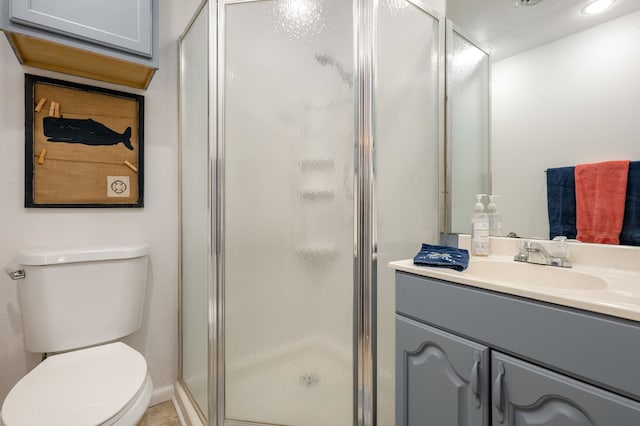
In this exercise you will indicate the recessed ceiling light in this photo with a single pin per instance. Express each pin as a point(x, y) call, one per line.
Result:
point(597, 6)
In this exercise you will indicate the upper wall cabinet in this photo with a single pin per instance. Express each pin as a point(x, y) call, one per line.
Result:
point(114, 41)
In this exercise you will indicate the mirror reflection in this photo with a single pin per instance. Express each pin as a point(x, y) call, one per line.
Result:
point(564, 92)
point(467, 131)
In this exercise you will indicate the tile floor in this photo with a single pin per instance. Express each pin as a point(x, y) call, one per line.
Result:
point(160, 415)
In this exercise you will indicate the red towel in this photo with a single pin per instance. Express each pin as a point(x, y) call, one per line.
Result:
point(600, 195)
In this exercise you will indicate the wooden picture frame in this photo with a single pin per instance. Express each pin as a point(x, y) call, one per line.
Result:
point(84, 145)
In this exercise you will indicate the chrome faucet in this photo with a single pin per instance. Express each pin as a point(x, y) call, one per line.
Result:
point(534, 252)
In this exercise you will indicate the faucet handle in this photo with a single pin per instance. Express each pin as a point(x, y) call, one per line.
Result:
point(523, 252)
point(560, 251)
point(559, 247)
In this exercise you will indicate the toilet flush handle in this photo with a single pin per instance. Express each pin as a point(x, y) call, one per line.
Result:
point(15, 274)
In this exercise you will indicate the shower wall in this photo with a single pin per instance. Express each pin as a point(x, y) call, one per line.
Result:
point(289, 212)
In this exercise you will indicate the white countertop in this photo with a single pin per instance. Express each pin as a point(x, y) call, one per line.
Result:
point(611, 287)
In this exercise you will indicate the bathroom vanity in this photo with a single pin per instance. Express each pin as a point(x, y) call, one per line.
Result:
point(474, 349)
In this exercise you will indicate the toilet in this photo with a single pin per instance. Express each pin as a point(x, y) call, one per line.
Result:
point(75, 305)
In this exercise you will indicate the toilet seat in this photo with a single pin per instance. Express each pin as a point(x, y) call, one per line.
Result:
point(93, 386)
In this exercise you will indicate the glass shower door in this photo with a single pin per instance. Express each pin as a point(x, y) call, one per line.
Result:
point(195, 213)
point(408, 143)
point(288, 207)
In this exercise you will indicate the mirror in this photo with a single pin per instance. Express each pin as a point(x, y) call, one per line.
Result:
point(467, 125)
point(564, 91)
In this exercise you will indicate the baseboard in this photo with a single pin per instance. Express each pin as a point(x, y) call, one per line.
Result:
point(160, 395)
point(186, 411)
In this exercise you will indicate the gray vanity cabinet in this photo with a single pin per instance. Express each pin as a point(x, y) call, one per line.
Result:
point(549, 365)
point(527, 395)
point(120, 24)
point(441, 379)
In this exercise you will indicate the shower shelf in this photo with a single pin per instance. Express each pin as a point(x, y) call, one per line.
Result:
point(318, 253)
point(318, 194)
point(317, 164)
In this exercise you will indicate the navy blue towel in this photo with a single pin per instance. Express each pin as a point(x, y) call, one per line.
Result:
point(442, 257)
point(630, 234)
point(561, 202)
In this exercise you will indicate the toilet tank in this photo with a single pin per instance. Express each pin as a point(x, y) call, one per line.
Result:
point(81, 297)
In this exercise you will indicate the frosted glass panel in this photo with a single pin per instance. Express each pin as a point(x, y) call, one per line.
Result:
point(289, 172)
point(195, 212)
point(407, 134)
point(468, 100)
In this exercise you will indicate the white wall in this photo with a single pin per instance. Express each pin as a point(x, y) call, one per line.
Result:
point(572, 101)
point(155, 224)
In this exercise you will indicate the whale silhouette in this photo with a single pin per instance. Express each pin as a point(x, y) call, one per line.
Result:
point(84, 131)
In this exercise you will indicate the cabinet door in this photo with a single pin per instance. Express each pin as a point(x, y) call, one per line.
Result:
point(441, 379)
point(525, 394)
point(122, 24)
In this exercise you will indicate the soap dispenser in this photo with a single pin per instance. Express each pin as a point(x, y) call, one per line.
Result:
point(479, 229)
point(495, 219)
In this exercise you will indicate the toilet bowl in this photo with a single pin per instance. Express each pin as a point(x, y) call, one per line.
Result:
point(103, 385)
point(76, 304)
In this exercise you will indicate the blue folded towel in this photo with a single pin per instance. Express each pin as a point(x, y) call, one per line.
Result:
point(442, 257)
point(630, 234)
point(561, 202)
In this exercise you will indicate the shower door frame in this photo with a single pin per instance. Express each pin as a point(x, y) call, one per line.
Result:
point(203, 7)
point(364, 258)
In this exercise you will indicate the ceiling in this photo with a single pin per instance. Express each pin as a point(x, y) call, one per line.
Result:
point(504, 28)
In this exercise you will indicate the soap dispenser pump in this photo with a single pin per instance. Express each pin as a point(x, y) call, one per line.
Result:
point(479, 229)
point(495, 219)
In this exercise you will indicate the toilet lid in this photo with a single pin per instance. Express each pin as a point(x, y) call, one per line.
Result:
point(83, 387)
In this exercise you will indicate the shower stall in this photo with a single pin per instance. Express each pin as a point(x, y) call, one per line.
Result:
point(312, 154)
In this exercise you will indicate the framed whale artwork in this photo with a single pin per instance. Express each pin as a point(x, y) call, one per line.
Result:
point(83, 145)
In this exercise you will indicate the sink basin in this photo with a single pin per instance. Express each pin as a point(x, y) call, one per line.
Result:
point(531, 275)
